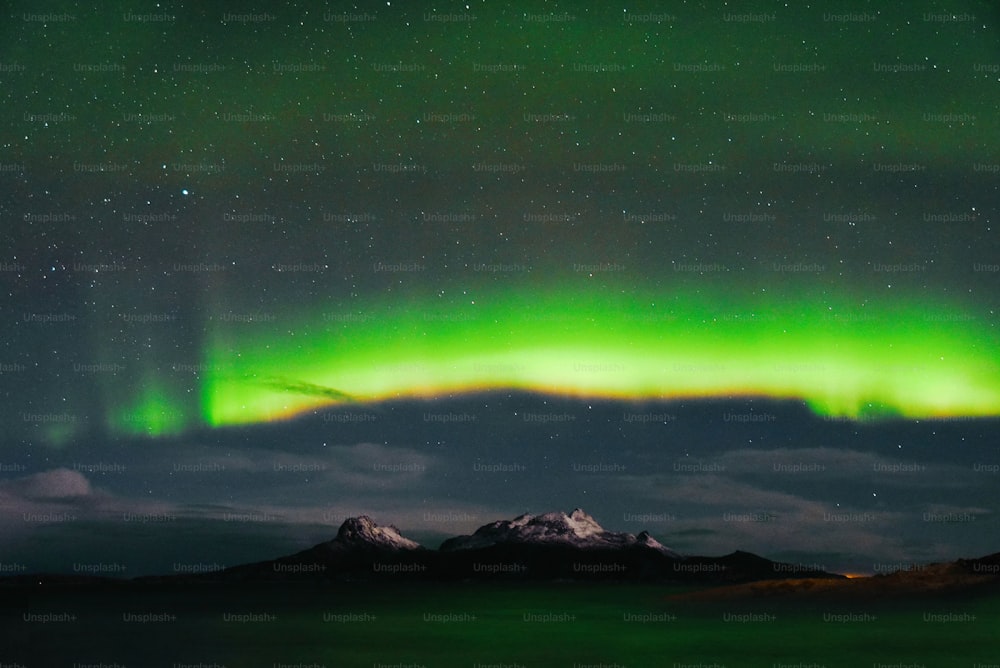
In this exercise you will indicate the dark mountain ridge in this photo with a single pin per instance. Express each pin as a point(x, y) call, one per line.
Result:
point(553, 546)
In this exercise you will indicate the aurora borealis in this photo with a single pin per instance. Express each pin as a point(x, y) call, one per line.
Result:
point(441, 265)
point(895, 360)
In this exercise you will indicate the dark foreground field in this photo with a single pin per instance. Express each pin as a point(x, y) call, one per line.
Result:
point(481, 624)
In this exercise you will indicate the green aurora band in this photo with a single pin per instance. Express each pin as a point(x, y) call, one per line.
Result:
point(881, 360)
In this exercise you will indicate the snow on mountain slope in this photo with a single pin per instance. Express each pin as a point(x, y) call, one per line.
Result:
point(578, 529)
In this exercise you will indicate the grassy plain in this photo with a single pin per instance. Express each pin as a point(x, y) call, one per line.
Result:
point(484, 625)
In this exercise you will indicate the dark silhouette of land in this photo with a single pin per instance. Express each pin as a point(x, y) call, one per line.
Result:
point(557, 547)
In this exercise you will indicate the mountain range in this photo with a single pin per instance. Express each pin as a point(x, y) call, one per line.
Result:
point(550, 546)
point(556, 546)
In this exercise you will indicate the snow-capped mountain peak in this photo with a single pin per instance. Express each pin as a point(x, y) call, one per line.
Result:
point(648, 541)
point(577, 529)
point(583, 525)
point(363, 532)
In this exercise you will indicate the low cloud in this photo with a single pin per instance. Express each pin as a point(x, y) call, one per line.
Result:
point(60, 484)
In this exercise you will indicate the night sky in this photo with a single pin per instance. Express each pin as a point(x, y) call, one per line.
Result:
point(724, 271)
